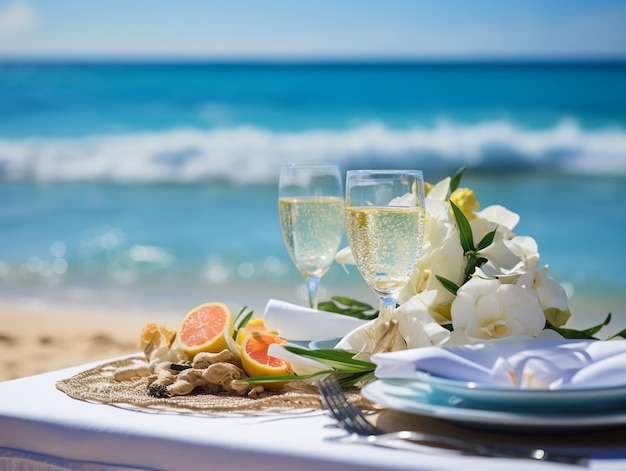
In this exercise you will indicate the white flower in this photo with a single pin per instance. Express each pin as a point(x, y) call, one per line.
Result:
point(487, 309)
point(344, 257)
point(509, 258)
point(549, 292)
point(440, 191)
point(408, 199)
point(441, 255)
point(498, 216)
point(408, 326)
point(507, 295)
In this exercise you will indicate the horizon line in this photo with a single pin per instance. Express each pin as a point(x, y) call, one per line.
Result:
point(309, 60)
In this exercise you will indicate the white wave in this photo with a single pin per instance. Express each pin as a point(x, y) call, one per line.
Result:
point(253, 155)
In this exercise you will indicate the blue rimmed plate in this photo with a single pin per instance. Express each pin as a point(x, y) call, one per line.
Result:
point(396, 394)
point(500, 397)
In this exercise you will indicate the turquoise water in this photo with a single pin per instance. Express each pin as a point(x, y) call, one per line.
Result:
point(157, 184)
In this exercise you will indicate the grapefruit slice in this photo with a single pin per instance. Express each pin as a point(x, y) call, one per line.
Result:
point(202, 329)
point(256, 362)
point(254, 325)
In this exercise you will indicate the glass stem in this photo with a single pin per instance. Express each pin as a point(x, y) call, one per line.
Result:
point(387, 302)
point(313, 283)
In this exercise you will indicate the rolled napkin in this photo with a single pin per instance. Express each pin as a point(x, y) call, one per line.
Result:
point(517, 362)
point(299, 323)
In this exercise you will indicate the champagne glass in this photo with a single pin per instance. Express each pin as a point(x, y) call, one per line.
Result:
point(311, 210)
point(385, 227)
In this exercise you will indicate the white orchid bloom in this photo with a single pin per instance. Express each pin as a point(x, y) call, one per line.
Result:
point(548, 291)
point(447, 261)
point(459, 337)
point(440, 191)
point(507, 259)
point(441, 255)
point(499, 215)
point(408, 326)
point(488, 309)
point(439, 210)
point(408, 199)
point(344, 257)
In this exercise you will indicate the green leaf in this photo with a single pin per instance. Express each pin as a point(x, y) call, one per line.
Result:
point(571, 334)
point(272, 379)
point(329, 306)
point(621, 333)
point(242, 321)
point(335, 356)
point(351, 302)
point(339, 362)
point(480, 261)
point(447, 284)
point(582, 334)
point(467, 239)
point(239, 314)
point(471, 265)
point(487, 240)
point(456, 179)
point(354, 379)
point(595, 329)
point(355, 308)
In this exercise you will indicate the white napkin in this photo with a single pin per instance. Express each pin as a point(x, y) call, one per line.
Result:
point(299, 323)
point(520, 362)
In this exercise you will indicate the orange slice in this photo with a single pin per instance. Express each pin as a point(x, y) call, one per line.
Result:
point(202, 329)
point(256, 362)
point(253, 325)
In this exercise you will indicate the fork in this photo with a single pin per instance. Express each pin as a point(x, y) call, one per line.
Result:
point(362, 430)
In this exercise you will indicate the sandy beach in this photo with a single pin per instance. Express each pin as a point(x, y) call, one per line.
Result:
point(34, 341)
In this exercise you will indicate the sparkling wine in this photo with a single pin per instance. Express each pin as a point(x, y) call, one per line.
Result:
point(312, 228)
point(385, 243)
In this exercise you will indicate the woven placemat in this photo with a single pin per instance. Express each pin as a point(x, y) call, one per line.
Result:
point(98, 385)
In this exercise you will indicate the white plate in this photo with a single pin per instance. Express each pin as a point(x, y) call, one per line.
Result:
point(493, 396)
point(396, 395)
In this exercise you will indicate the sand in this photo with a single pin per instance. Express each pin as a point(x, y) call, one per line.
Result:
point(34, 341)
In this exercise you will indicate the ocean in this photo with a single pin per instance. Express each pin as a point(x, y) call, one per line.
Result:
point(139, 186)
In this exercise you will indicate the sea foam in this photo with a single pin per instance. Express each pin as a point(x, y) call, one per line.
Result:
point(252, 155)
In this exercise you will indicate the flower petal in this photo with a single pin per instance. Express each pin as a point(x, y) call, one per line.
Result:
point(487, 309)
point(499, 215)
point(440, 190)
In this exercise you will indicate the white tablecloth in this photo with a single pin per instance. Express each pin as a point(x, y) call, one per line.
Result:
point(43, 429)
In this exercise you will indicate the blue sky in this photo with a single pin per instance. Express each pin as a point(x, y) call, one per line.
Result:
point(313, 29)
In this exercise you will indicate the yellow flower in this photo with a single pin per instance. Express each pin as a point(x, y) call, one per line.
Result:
point(466, 201)
point(427, 187)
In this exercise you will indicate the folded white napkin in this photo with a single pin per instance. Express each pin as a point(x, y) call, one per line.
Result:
point(295, 322)
point(520, 362)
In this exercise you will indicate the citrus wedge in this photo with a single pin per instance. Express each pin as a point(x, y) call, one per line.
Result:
point(202, 329)
point(256, 362)
point(254, 325)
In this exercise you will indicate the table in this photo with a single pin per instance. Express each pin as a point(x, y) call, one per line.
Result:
point(41, 428)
